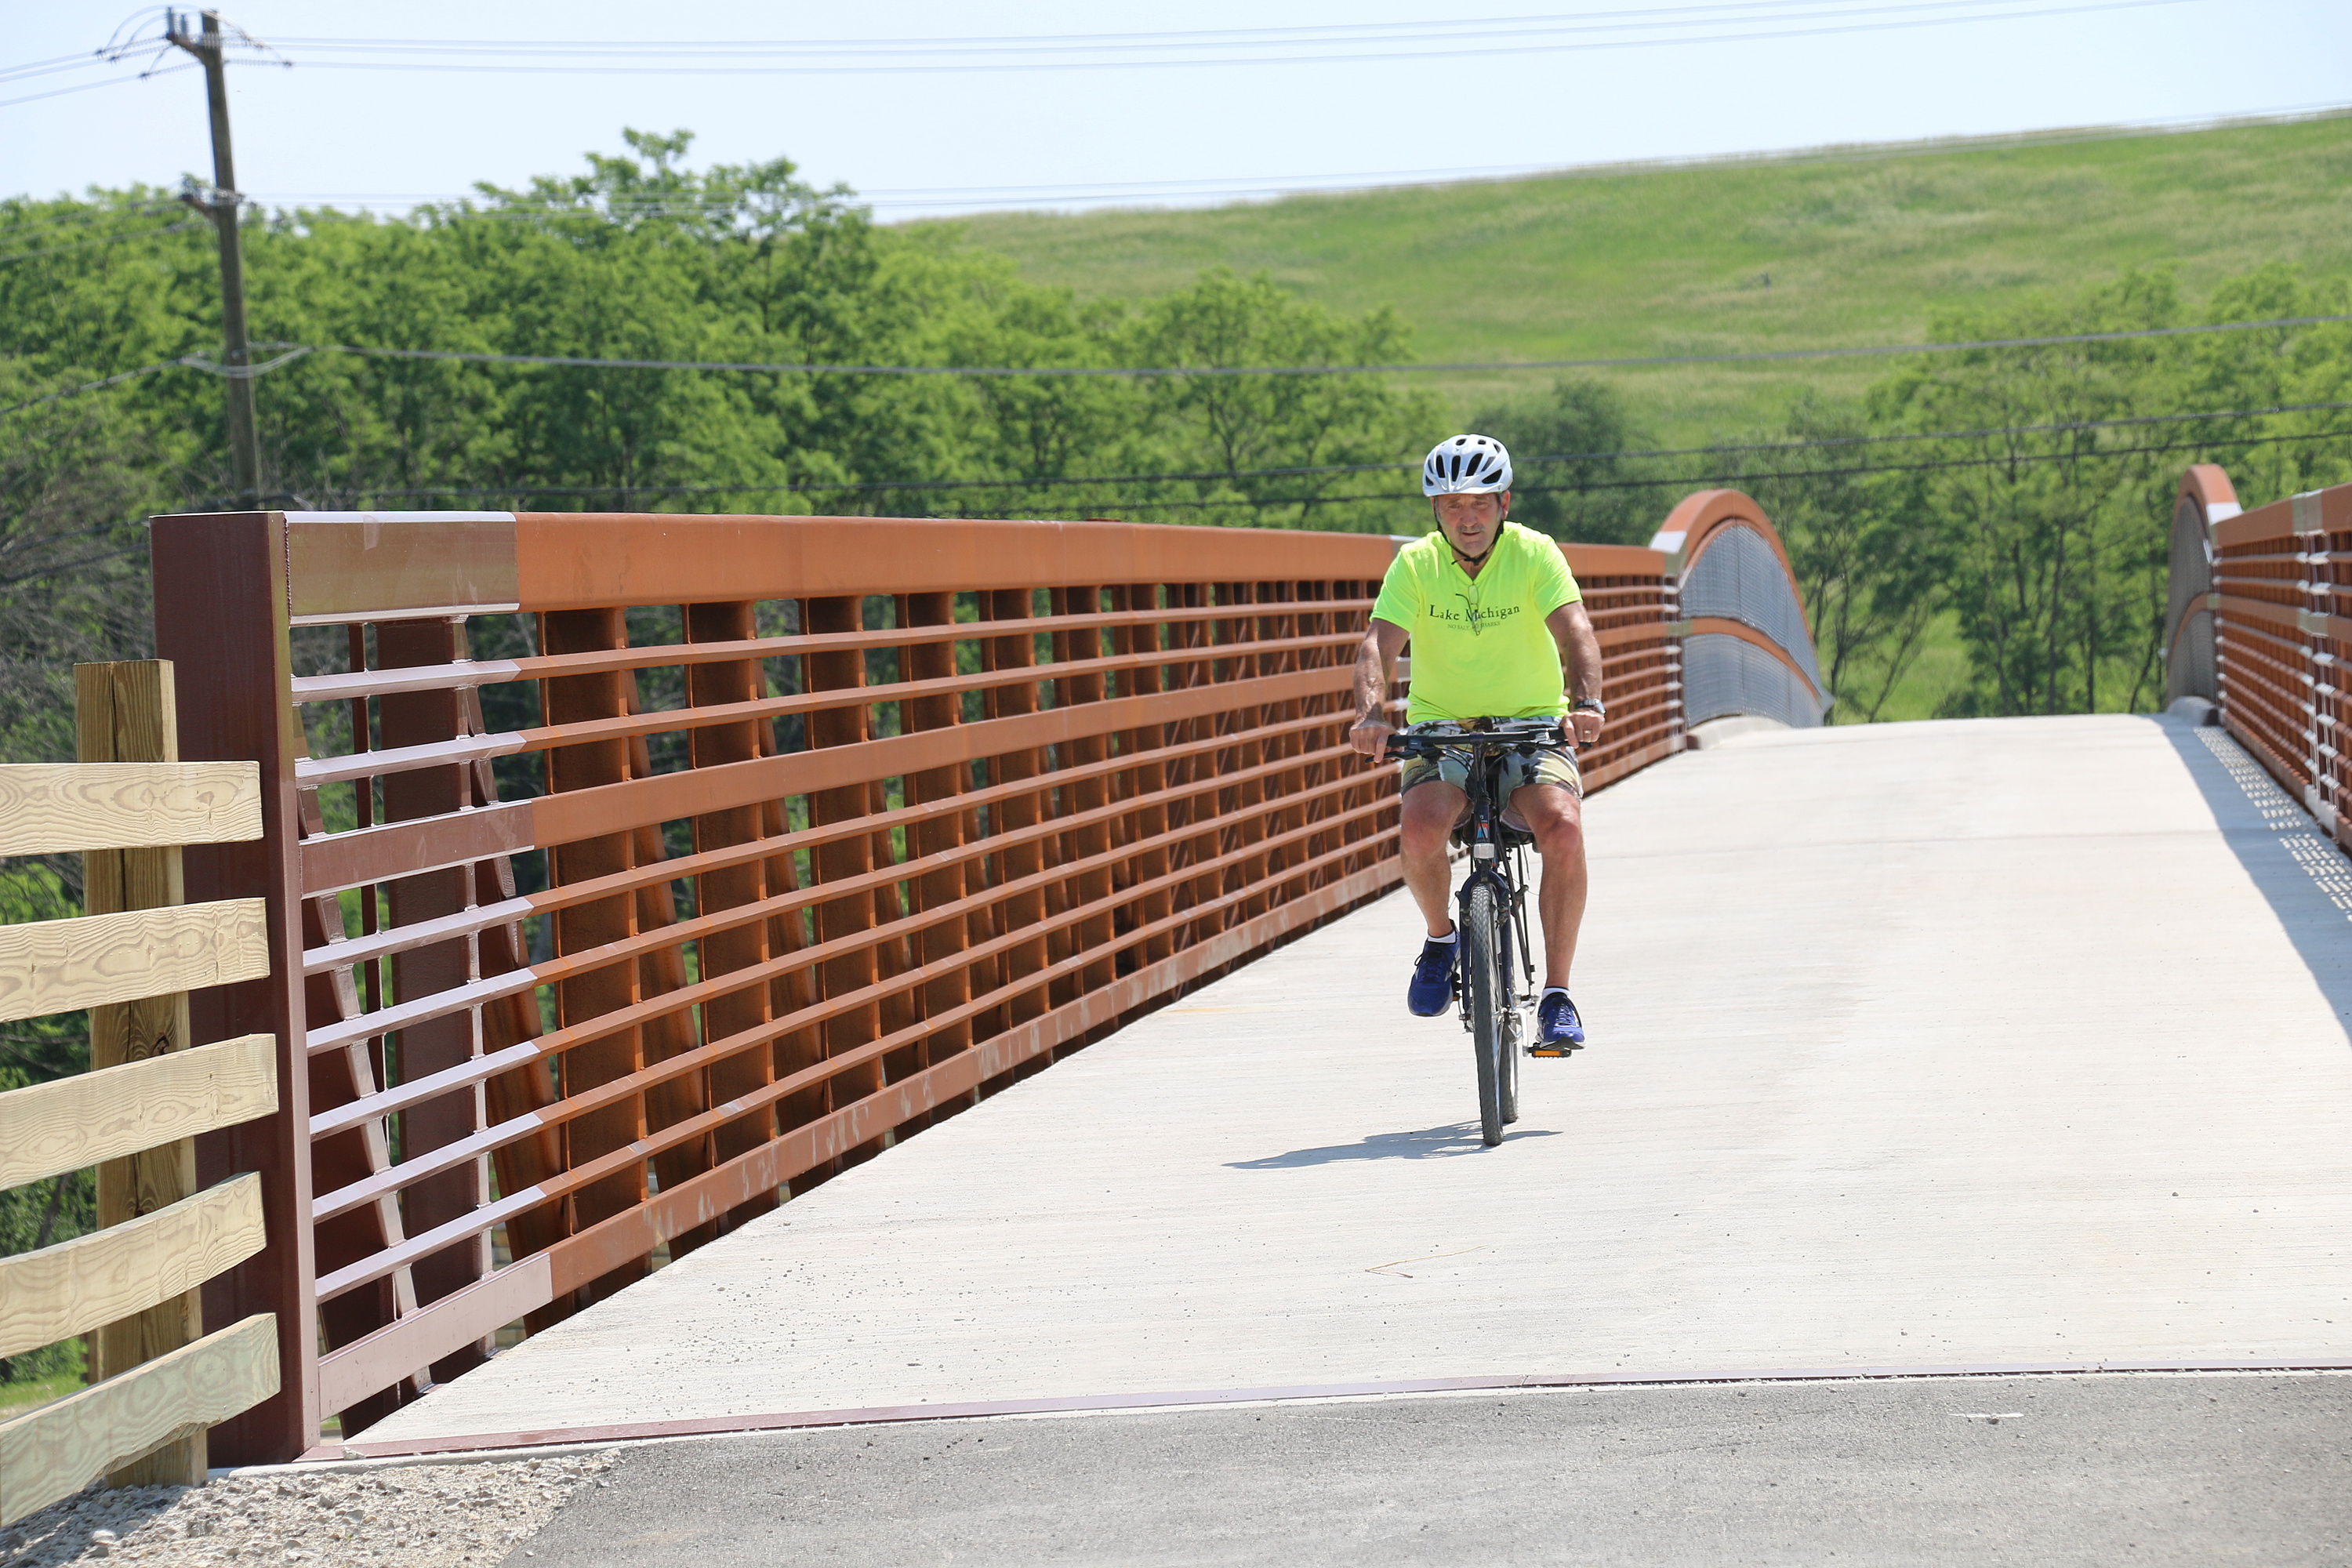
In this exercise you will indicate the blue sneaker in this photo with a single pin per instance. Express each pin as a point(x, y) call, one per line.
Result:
point(1431, 990)
point(1559, 1029)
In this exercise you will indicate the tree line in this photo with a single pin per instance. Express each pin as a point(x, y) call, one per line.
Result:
point(2016, 500)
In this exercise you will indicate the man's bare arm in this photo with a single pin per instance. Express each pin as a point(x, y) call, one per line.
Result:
point(1376, 659)
point(1579, 657)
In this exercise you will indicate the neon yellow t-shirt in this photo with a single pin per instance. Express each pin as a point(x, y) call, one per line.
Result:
point(1480, 648)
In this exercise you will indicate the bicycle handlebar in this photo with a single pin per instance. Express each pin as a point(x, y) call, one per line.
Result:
point(1536, 737)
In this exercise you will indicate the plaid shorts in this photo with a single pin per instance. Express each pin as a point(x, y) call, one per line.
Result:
point(1454, 768)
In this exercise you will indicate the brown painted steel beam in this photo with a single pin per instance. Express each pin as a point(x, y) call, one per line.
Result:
point(223, 626)
point(581, 561)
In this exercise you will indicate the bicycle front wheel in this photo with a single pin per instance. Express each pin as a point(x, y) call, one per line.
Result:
point(1483, 997)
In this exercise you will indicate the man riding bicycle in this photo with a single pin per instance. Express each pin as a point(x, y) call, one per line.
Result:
point(1495, 618)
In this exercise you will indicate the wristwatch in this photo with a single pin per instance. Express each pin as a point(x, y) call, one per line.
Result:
point(1589, 705)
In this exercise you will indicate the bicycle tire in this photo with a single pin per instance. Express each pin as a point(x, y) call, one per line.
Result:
point(1515, 1018)
point(1483, 998)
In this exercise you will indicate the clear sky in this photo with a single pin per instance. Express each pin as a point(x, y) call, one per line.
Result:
point(1465, 85)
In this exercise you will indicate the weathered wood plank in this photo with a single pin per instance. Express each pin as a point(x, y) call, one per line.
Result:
point(60, 1448)
point(110, 1275)
point(52, 1128)
point(52, 808)
point(56, 966)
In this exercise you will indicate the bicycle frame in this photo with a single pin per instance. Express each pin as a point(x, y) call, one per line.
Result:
point(1498, 850)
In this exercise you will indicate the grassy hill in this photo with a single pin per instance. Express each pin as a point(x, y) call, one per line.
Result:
point(1840, 246)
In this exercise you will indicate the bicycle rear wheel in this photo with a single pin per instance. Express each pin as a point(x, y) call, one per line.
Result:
point(1483, 997)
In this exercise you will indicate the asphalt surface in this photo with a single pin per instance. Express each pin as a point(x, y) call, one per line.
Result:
point(2194, 1470)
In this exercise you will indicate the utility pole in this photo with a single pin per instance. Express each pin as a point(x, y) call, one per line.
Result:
point(220, 204)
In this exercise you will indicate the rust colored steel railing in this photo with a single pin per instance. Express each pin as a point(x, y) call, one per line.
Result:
point(790, 836)
point(2262, 625)
point(1630, 598)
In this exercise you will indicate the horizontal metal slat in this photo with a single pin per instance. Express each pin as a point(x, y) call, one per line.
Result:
point(377, 1266)
point(424, 844)
point(584, 814)
point(344, 1117)
point(313, 770)
point(418, 1009)
point(341, 860)
point(351, 1373)
point(461, 674)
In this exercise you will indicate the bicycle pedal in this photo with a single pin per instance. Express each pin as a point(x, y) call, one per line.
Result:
point(1553, 1051)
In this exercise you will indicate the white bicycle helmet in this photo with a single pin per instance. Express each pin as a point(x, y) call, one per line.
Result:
point(1466, 465)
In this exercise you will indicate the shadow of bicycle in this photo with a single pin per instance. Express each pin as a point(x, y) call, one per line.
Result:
point(1427, 1143)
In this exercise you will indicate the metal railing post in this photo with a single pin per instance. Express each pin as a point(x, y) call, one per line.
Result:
point(221, 616)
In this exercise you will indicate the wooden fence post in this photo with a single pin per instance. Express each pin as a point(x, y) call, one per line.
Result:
point(125, 713)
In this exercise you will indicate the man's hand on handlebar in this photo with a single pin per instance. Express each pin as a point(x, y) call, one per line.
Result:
point(1583, 726)
point(1370, 736)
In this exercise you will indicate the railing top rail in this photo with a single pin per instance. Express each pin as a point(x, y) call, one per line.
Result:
point(1694, 523)
point(2314, 512)
point(2209, 488)
point(346, 566)
point(1589, 562)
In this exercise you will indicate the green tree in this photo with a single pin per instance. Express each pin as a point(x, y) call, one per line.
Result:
point(2053, 524)
point(1231, 427)
point(1572, 479)
point(1869, 563)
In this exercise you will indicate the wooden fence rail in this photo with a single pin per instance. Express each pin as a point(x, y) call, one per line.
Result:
point(159, 1382)
point(626, 875)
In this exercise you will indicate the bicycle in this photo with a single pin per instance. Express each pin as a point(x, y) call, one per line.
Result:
point(1497, 995)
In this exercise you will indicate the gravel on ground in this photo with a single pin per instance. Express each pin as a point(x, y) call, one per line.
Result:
point(413, 1516)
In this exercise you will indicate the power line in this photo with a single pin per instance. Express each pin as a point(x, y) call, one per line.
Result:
point(1178, 37)
point(100, 239)
point(95, 386)
point(659, 203)
point(25, 228)
point(297, 351)
point(1389, 34)
point(51, 67)
point(1137, 372)
point(887, 487)
point(1378, 41)
point(85, 87)
point(2005, 460)
point(1414, 55)
point(1098, 505)
point(2058, 426)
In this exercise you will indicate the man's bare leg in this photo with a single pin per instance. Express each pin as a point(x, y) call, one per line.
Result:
point(1556, 816)
point(1430, 812)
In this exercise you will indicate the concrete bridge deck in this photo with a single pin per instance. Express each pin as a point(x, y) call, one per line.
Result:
point(1995, 1042)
